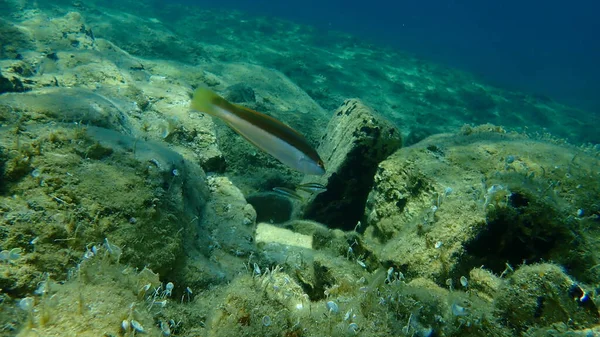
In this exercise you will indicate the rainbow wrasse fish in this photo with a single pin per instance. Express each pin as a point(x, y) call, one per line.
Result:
point(265, 132)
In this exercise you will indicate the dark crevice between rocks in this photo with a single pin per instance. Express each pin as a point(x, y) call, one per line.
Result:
point(3, 159)
point(508, 241)
point(11, 85)
point(525, 231)
point(356, 141)
point(323, 280)
point(343, 204)
point(270, 207)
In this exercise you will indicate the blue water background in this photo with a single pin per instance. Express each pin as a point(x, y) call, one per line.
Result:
point(550, 47)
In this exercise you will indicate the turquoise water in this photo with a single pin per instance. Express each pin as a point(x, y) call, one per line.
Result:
point(548, 49)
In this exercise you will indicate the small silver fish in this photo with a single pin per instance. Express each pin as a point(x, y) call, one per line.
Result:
point(288, 193)
point(311, 187)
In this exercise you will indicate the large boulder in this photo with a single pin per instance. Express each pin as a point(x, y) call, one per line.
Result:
point(69, 190)
point(484, 197)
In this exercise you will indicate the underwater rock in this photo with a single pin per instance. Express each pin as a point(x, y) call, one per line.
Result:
point(102, 295)
point(541, 295)
point(240, 93)
point(271, 207)
point(15, 40)
point(122, 108)
point(51, 51)
point(326, 262)
point(101, 84)
point(259, 305)
point(68, 32)
point(95, 187)
point(355, 141)
point(454, 202)
point(10, 85)
point(484, 283)
point(66, 105)
point(266, 234)
point(228, 221)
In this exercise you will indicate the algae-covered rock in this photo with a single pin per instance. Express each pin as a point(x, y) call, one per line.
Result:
point(270, 304)
point(454, 202)
point(228, 221)
point(266, 234)
point(99, 179)
point(240, 93)
point(225, 239)
point(101, 296)
point(355, 141)
point(64, 32)
point(92, 186)
point(12, 84)
point(76, 77)
point(74, 105)
point(541, 295)
point(483, 283)
point(15, 38)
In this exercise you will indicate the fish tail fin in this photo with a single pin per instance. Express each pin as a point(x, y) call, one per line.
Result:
point(205, 100)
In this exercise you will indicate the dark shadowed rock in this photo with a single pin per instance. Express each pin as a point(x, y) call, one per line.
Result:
point(10, 85)
point(356, 140)
point(270, 207)
point(240, 93)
